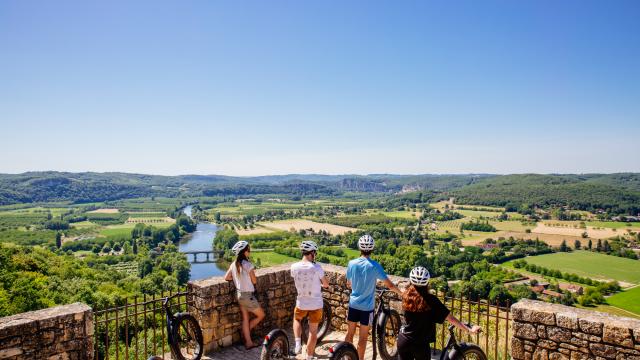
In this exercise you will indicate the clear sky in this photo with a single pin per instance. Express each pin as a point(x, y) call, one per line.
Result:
point(275, 87)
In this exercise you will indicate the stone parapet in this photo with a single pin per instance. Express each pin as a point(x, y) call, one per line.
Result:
point(544, 331)
point(214, 304)
point(62, 332)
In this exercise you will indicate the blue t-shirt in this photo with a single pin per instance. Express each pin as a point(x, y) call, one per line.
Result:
point(363, 274)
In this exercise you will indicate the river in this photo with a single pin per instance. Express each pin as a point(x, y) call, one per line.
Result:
point(201, 239)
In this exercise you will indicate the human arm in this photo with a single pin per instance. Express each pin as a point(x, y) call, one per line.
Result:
point(457, 323)
point(252, 275)
point(228, 276)
point(324, 282)
point(392, 287)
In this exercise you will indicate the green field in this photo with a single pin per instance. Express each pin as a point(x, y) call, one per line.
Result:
point(270, 258)
point(125, 229)
point(613, 310)
point(590, 264)
point(628, 300)
point(613, 224)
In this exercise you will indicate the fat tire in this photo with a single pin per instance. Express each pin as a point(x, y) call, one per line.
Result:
point(175, 328)
point(393, 317)
point(468, 349)
point(323, 328)
point(348, 352)
point(274, 337)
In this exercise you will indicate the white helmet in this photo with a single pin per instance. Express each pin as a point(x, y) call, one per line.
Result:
point(419, 276)
point(239, 246)
point(366, 243)
point(308, 245)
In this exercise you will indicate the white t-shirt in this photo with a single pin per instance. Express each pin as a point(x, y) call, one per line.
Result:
point(242, 280)
point(307, 277)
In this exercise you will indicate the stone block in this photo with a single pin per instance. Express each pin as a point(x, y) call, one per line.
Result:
point(517, 349)
point(558, 356)
point(10, 352)
point(617, 335)
point(540, 354)
point(603, 350)
point(575, 355)
point(558, 334)
point(567, 320)
point(547, 344)
point(590, 326)
point(525, 331)
point(587, 337)
point(542, 331)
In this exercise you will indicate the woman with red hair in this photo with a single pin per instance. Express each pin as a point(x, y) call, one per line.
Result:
point(422, 310)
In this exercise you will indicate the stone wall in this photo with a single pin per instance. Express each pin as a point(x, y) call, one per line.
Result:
point(550, 331)
point(338, 294)
point(62, 332)
point(216, 308)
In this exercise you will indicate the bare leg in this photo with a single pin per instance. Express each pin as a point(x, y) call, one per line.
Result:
point(351, 330)
point(297, 329)
point(313, 338)
point(246, 331)
point(259, 313)
point(363, 336)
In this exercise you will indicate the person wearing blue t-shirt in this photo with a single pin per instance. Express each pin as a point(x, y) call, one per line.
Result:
point(362, 275)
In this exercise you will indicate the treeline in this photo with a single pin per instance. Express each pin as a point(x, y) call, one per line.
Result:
point(524, 192)
point(301, 189)
point(478, 225)
point(364, 220)
point(608, 287)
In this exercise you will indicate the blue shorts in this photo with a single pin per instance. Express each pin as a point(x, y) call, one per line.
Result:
point(365, 318)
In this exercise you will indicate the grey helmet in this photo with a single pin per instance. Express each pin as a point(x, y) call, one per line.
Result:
point(239, 246)
point(308, 245)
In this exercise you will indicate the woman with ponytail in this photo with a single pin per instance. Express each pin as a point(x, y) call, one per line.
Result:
point(422, 310)
point(242, 272)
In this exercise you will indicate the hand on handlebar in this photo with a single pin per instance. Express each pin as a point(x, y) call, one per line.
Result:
point(475, 329)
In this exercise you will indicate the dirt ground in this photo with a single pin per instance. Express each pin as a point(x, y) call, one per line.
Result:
point(298, 225)
point(600, 233)
point(104, 211)
point(256, 230)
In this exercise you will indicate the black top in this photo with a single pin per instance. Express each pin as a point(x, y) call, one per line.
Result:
point(422, 325)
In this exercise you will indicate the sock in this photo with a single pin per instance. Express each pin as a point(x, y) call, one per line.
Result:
point(298, 345)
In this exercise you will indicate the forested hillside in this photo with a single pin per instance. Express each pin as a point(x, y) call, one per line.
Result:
point(616, 193)
point(576, 192)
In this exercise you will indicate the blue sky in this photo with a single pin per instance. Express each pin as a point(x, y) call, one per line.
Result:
point(275, 87)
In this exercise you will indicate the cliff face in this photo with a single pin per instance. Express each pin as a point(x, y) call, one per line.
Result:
point(353, 184)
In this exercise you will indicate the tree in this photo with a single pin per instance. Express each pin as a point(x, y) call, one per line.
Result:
point(135, 246)
point(599, 246)
point(500, 295)
point(58, 240)
point(590, 244)
point(607, 246)
point(563, 246)
point(577, 245)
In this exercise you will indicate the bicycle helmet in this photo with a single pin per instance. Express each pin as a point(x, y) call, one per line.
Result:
point(239, 246)
point(419, 276)
point(366, 243)
point(309, 246)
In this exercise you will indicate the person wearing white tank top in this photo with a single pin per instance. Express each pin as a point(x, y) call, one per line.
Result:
point(242, 273)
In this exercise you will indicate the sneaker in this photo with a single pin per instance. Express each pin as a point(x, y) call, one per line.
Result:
point(297, 350)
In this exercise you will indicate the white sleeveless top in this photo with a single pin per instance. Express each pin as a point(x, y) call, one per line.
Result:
point(242, 280)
